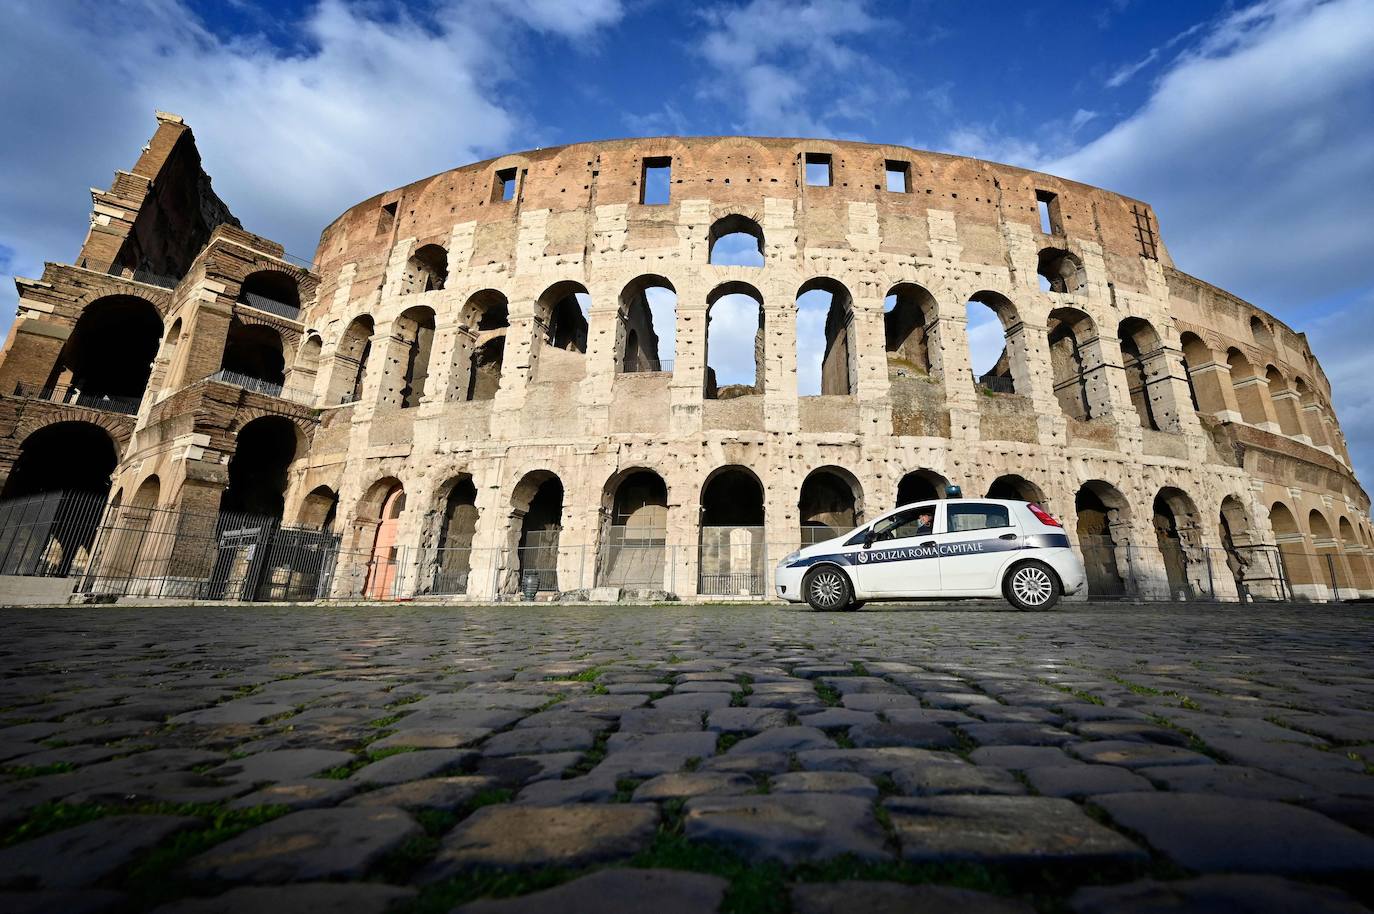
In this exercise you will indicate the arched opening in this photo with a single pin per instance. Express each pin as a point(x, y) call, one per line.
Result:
point(734, 342)
point(1285, 402)
point(413, 335)
point(273, 292)
point(1140, 352)
point(1236, 544)
point(1176, 525)
point(384, 564)
point(479, 348)
point(992, 324)
point(319, 509)
point(51, 504)
point(736, 241)
point(908, 310)
point(560, 320)
point(826, 352)
point(1060, 271)
point(108, 358)
point(253, 357)
point(1201, 371)
point(1297, 565)
point(1250, 395)
point(732, 531)
point(1075, 359)
point(1261, 334)
point(538, 503)
point(634, 531)
point(1356, 557)
point(452, 562)
point(646, 329)
point(920, 485)
point(1102, 511)
point(1331, 568)
point(1016, 488)
point(350, 361)
point(426, 270)
point(263, 453)
point(165, 368)
point(136, 546)
point(830, 503)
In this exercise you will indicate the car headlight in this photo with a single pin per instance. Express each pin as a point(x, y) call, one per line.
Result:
point(791, 557)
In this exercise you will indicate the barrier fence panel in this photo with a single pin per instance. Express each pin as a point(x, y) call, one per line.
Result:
point(152, 552)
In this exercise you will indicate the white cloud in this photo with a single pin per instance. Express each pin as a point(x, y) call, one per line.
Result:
point(781, 64)
point(1344, 356)
point(730, 336)
point(291, 138)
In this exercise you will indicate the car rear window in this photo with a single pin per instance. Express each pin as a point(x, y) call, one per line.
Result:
point(976, 516)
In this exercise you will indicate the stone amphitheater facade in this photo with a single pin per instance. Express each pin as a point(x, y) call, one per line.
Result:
point(468, 377)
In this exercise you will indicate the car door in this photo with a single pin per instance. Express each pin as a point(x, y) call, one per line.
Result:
point(902, 560)
point(974, 544)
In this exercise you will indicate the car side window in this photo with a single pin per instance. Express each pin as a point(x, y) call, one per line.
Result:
point(919, 521)
point(964, 517)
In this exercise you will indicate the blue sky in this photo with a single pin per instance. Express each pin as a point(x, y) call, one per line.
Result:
point(1249, 126)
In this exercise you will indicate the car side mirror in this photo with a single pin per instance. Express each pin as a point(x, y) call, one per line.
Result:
point(868, 538)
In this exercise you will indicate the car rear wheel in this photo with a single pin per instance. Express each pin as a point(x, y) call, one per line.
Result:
point(1032, 586)
point(827, 589)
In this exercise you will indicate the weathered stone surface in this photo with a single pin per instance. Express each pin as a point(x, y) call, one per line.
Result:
point(295, 795)
point(433, 738)
point(895, 898)
point(697, 744)
point(745, 720)
point(66, 901)
point(942, 778)
point(1213, 833)
point(787, 827)
point(313, 844)
point(284, 765)
point(409, 766)
point(620, 891)
point(428, 793)
point(693, 784)
point(1130, 754)
point(694, 701)
point(84, 854)
point(1231, 781)
point(925, 736)
point(998, 829)
point(1208, 894)
point(528, 836)
point(1016, 734)
point(872, 762)
point(598, 788)
point(538, 739)
point(1019, 758)
point(783, 739)
point(307, 898)
point(843, 782)
point(1077, 781)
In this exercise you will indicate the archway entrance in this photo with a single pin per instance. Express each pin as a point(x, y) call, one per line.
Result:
point(384, 562)
point(829, 505)
point(452, 562)
point(920, 485)
point(1175, 522)
point(1100, 508)
point(634, 536)
point(53, 500)
point(538, 503)
point(108, 358)
point(732, 532)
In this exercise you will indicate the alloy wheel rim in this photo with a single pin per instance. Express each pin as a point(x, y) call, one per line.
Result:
point(1032, 586)
point(826, 589)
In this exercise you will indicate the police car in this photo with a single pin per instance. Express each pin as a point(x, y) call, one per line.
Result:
point(955, 548)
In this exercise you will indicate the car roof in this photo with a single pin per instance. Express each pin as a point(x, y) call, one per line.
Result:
point(981, 501)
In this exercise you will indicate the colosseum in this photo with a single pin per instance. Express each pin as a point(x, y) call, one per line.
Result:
point(576, 372)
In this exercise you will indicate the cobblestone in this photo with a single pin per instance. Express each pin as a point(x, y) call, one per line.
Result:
point(415, 749)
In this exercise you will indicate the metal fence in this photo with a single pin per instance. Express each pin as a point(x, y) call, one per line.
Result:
point(155, 553)
point(258, 385)
point(72, 396)
point(272, 306)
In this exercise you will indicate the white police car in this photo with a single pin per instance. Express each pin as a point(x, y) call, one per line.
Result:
point(955, 548)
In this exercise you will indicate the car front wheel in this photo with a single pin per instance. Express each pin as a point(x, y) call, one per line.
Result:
point(1032, 586)
point(827, 589)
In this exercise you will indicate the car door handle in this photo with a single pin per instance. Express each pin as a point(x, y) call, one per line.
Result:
point(1007, 536)
point(928, 543)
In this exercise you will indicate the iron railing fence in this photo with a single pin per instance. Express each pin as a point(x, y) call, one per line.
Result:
point(998, 384)
point(72, 396)
point(272, 306)
point(644, 365)
point(258, 385)
point(132, 551)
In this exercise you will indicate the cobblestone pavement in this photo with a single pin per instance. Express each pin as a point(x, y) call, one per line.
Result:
point(686, 759)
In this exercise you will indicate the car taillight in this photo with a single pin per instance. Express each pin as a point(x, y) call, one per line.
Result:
point(1043, 516)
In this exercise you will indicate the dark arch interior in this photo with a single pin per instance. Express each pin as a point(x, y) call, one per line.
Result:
point(920, 485)
point(641, 500)
point(732, 498)
point(320, 508)
point(1097, 546)
point(826, 507)
point(458, 526)
point(111, 349)
point(257, 471)
point(1014, 488)
point(904, 326)
point(539, 532)
point(67, 456)
point(264, 289)
point(254, 350)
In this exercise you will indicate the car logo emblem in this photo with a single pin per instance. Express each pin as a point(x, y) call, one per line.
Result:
point(863, 558)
